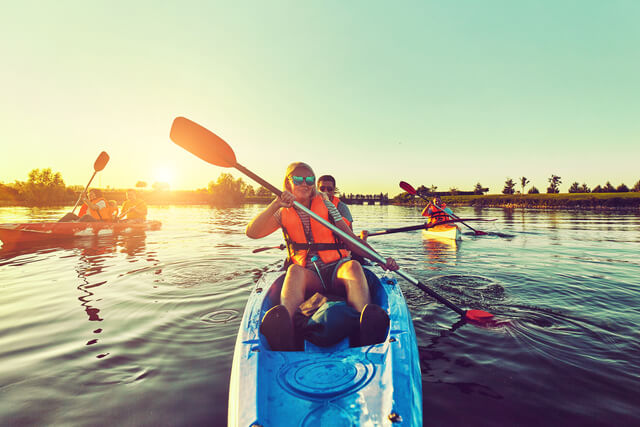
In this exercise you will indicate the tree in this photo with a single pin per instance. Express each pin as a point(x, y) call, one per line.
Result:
point(575, 188)
point(44, 188)
point(597, 189)
point(534, 190)
point(608, 188)
point(584, 188)
point(227, 190)
point(453, 191)
point(554, 183)
point(249, 191)
point(523, 183)
point(141, 184)
point(479, 189)
point(622, 188)
point(263, 192)
point(636, 188)
point(508, 186)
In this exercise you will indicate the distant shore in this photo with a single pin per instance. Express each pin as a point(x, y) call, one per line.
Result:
point(626, 201)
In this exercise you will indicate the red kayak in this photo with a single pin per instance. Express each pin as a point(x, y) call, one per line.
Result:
point(46, 231)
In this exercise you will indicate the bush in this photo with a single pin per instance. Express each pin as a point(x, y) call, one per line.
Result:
point(533, 190)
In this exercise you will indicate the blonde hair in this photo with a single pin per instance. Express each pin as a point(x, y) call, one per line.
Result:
point(290, 170)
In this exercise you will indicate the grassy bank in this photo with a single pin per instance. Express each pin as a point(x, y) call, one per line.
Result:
point(550, 201)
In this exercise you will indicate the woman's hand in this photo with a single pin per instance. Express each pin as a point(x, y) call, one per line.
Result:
point(391, 265)
point(286, 199)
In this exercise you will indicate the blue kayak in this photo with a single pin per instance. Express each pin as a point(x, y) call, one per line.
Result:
point(376, 385)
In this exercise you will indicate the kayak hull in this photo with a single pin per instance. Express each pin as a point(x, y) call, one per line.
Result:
point(444, 231)
point(378, 384)
point(48, 231)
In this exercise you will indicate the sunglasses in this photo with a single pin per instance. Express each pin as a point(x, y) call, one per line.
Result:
point(299, 180)
point(324, 188)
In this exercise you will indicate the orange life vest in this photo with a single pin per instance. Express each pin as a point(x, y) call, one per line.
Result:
point(324, 241)
point(104, 214)
point(335, 201)
point(436, 215)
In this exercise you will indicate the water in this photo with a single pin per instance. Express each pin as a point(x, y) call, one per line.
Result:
point(140, 330)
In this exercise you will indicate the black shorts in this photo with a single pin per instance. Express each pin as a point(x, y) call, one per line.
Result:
point(329, 274)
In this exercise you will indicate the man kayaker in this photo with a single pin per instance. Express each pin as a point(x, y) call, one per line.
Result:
point(320, 261)
point(437, 211)
point(134, 208)
point(327, 185)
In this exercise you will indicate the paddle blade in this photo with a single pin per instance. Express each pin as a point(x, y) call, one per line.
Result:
point(480, 233)
point(408, 188)
point(101, 161)
point(202, 142)
point(477, 315)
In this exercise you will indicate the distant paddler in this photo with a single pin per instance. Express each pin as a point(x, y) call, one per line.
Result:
point(134, 208)
point(437, 211)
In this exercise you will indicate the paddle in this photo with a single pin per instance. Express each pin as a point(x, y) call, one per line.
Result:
point(424, 226)
point(98, 165)
point(409, 189)
point(211, 148)
point(281, 247)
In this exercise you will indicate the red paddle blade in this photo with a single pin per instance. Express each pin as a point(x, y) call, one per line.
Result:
point(408, 188)
point(480, 233)
point(202, 142)
point(478, 315)
point(101, 161)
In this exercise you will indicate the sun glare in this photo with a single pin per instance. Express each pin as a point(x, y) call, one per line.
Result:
point(163, 174)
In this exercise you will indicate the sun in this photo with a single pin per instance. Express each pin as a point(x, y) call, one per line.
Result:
point(163, 174)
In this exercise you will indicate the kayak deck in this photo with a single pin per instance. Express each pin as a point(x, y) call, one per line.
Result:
point(43, 231)
point(445, 231)
point(378, 384)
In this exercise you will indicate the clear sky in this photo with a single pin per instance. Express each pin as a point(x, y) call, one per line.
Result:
point(445, 93)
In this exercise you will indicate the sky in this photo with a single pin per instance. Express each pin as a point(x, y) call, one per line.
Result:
point(435, 93)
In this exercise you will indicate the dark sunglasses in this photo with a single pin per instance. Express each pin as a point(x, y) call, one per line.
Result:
point(324, 188)
point(299, 180)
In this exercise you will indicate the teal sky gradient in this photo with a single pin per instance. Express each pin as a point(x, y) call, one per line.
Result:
point(372, 92)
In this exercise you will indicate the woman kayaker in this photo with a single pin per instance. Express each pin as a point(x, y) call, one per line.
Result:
point(437, 211)
point(320, 260)
point(95, 207)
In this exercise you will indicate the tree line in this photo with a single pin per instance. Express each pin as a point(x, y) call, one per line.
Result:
point(554, 187)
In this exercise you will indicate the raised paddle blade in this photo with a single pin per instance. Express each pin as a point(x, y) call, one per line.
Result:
point(101, 161)
point(408, 188)
point(202, 143)
point(477, 315)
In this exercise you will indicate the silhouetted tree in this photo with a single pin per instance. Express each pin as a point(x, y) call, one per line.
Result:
point(554, 183)
point(636, 188)
point(523, 183)
point(227, 190)
point(608, 188)
point(508, 187)
point(43, 188)
point(263, 192)
point(597, 189)
point(622, 188)
point(478, 189)
point(584, 188)
point(575, 188)
point(533, 190)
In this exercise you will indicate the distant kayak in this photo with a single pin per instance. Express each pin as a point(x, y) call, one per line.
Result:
point(32, 232)
point(444, 231)
point(340, 385)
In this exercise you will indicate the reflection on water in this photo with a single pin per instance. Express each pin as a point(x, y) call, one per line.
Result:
point(91, 328)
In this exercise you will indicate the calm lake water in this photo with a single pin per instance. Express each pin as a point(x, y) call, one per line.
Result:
point(139, 330)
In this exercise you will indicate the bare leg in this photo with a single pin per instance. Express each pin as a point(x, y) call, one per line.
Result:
point(351, 276)
point(297, 283)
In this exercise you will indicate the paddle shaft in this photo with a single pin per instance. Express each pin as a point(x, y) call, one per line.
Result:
point(373, 254)
point(424, 226)
point(84, 191)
